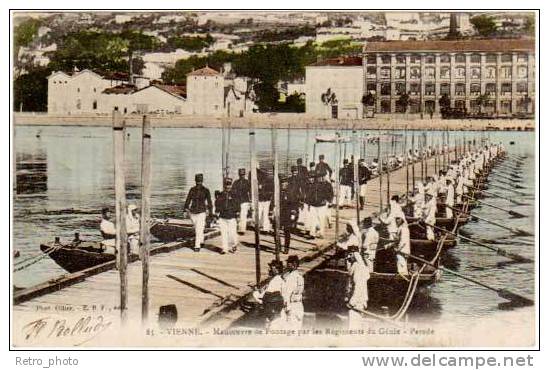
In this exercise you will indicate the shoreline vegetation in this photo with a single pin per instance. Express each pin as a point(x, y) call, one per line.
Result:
point(288, 120)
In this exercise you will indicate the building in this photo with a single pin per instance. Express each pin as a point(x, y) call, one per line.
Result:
point(502, 71)
point(205, 92)
point(334, 88)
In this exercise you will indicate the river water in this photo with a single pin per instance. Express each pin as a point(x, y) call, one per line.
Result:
point(73, 169)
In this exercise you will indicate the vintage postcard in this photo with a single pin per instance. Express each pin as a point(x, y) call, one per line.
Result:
point(274, 179)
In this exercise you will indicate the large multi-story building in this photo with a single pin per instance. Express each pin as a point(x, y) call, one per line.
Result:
point(502, 71)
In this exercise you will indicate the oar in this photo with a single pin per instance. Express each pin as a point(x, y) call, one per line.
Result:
point(512, 229)
point(499, 251)
point(503, 293)
point(508, 183)
point(506, 198)
point(514, 191)
point(510, 212)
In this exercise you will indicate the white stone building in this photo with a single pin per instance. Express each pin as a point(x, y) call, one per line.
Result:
point(342, 78)
point(205, 92)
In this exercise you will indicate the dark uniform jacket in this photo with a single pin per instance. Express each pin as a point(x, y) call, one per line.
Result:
point(227, 205)
point(302, 171)
point(266, 189)
point(241, 191)
point(296, 186)
point(364, 175)
point(322, 168)
point(289, 204)
point(319, 193)
point(346, 176)
point(198, 199)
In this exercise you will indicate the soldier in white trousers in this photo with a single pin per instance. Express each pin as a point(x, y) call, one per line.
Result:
point(197, 205)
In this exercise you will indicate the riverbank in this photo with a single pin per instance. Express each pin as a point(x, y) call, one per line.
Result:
point(282, 120)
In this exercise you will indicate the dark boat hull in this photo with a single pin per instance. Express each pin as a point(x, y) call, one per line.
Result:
point(170, 232)
point(72, 258)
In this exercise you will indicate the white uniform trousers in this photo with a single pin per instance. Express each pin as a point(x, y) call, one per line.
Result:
point(317, 219)
point(294, 315)
point(363, 190)
point(199, 221)
point(326, 215)
point(449, 212)
point(402, 265)
point(345, 195)
point(243, 220)
point(304, 216)
point(264, 221)
point(229, 237)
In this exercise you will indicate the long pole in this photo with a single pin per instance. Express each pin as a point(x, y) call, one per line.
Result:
point(380, 171)
point(276, 192)
point(388, 180)
point(337, 160)
point(288, 150)
point(307, 145)
point(255, 196)
point(144, 234)
point(121, 242)
point(227, 151)
point(406, 162)
point(223, 149)
point(413, 158)
point(355, 180)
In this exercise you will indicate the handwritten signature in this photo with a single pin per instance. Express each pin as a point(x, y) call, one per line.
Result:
point(85, 327)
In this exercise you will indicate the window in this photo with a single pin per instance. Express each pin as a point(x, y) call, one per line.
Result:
point(506, 58)
point(401, 59)
point(459, 89)
point(54, 82)
point(386, 59)
point(430, 72)
point(385, 72)
point(415, 59)
point(491, 58)
point(522, 71)
point(415, 88)
point(460, 72)
point(505, 106)
point(78, 90)
point(506, 72)
point(415, 73)
point(430, 89)
point(400, 108)
point(490, 88)
point(474, 58)
point(522, 58)
point(522, 87)
point(216, 107)
point(371, 72)
point(385, 89)
point(506, 88)
point(459, 104)
point(400, 88)
point(78, 104)
point(371, 88)
point(94, 105)
point(94, 89)
point(429, 59)
point(491, 72)
point(475, 89)
point(445, 89)
point(445, 72)
point(445, 58)
point(385, 106)
point(475, 72)
point(460, 58)
point(414, 106)
point(400, 72)
point(371, 59)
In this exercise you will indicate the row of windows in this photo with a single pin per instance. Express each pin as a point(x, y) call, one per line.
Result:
point(505, 106)
point(459, 88)
point(445, 72)
point(443, 58)
point(79, 104)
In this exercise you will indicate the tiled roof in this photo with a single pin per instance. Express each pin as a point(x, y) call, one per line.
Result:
point(340, 61)
point(176, 90)
point(206, 71)
point(495, 45)
point(120, 89)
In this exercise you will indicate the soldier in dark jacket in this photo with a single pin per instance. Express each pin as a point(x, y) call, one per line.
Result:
point(301, 169)
point(364, 176)
point(265, 195)
point(227, 209)
point(323, 168)
point(198, 203)
point(319, 195)
point(242, 193)
point(345, 184)
point(289, 211)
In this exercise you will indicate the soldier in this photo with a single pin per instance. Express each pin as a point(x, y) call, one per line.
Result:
point(323, 168)
point(402, 246)
point(301, 169)
point(266, 190)
point(292, 293)
point(370, 241)
point(242, 193)
point(345, 184)
point(227, 208)
point(357, 287)
point(429, 215)
point(320, 193)
point(450, 192)
point(394, 211)
point(270, 297)
point(197, 205)
point(364, 176)
point(289, 211)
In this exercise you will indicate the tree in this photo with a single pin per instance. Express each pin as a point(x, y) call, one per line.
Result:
point(530, 25)
point(484, 25)
point(30, 90)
